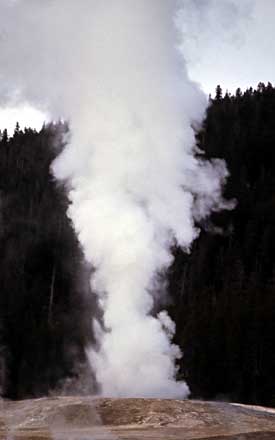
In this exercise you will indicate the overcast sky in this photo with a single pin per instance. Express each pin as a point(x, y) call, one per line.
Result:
point(226, 42)
point(231, 43)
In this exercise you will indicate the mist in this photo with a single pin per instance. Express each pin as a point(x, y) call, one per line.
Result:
point(114, 70)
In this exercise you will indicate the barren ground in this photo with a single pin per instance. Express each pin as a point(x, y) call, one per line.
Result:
point(84, 418)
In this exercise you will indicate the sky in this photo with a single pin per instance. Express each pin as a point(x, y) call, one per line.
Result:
point(230, 43)
point(226, 42)
point(25, 115)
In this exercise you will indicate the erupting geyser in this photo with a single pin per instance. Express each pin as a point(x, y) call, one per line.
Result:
point(113, 69)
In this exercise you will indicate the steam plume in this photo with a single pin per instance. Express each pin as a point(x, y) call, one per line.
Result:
point(114, 71)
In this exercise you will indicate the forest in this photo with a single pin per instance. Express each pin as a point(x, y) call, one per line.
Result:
point(221, 294)
point(45, 301)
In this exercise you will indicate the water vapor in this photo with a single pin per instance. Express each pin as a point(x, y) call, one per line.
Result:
point(114, 70)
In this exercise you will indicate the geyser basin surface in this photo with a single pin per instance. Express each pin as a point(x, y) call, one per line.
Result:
point(77, 418)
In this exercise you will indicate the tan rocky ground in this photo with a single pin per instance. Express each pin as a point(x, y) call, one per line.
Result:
point(83, 418)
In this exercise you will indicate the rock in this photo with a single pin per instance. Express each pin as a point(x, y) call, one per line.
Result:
point(87, 418)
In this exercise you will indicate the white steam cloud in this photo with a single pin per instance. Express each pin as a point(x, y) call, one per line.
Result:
point(113, 69)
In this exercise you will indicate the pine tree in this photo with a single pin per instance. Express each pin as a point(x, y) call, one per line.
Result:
point(218, 96)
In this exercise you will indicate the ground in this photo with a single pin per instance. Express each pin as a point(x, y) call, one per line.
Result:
point(84, 418)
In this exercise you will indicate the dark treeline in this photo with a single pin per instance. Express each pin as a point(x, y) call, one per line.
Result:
point(45, 303)
point(224, 292)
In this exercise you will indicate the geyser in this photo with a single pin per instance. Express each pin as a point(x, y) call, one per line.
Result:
point(113, 69)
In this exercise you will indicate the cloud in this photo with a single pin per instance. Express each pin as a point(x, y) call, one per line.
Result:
point(114, 71)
